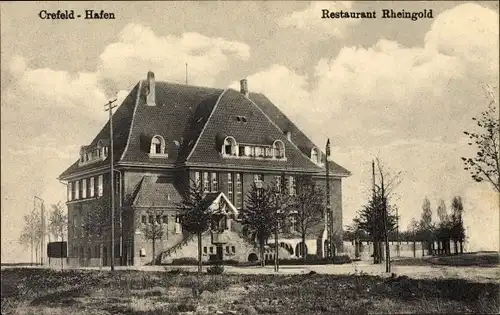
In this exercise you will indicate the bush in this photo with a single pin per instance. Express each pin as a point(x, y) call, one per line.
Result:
point(184, 261)
point(342, 259)
point(216, 269)
point(314, 260)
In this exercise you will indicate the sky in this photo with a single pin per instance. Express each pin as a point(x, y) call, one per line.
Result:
point(400, 90)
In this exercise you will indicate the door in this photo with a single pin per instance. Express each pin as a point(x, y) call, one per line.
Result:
point(220, 253)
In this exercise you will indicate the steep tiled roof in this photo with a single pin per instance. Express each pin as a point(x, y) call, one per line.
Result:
point(191, 119)
point(156, 192)
point(258, 129)
point(122, 119)
point(179, 115)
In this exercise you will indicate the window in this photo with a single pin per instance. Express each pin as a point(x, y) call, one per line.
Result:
point(84, 188)
point(269, 152)
point(144, 219)
point(314, 155)
point(279, 149)
point(293, 224)
point(211, 249)
point(197, 179)
point(227, 249)
point(233, 249)
point(157, 146)
point(292, 184)
point(215, 186)
point(70, 191)
point(230, 187)
point(204, 249)
point(258, 178)
point(239, 191)
point(77, 189)
point(158, 219)
point(92, 187)
point(248, 151)
point(205, 182)
point(151, 219)
point(277, 180)
point(258, 151)
point(100, 185)
point(178, 226)
point(230, 147)
point(165, 219)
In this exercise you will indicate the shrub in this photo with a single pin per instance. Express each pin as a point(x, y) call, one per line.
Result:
point(314, 260)
point(342, 259)
point(175, 271)
point(184, 261)
point(216, 269)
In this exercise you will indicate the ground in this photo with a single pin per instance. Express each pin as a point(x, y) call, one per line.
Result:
point(417, 286)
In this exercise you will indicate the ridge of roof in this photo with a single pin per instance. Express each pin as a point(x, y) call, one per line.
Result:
point(132, 122)
point(205, 125)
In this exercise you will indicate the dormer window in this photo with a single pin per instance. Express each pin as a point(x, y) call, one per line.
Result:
point(93, 153)
point(315, 155)
point(230, 147)
point(157, 147)
point(279, 149)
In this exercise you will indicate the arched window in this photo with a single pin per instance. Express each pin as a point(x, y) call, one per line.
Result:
point(230, 147)
point(279, 149)
point(157, 145)
point(314, 155)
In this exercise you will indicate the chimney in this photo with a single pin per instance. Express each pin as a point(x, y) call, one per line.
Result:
point(244, 87)
point(289, 136)
point(151, 93)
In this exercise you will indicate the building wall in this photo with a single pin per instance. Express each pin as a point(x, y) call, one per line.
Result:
point(133, 240)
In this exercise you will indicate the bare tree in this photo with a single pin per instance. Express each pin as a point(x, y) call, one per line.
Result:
point(377, 216)
point(31, 234)
point(283, 202)
point(58, 225)
point(426, 231)
point(413, 227)
point(97, 223)
point(153, 231)
point(309, 208)
point(485, 166)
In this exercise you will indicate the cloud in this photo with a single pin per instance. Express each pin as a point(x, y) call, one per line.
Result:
point(310, 19)
point(139, 49)
point(468, 31)
point(407, 105)
point(48, 113)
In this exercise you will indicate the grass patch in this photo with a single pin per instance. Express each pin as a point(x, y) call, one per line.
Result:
point(139, 292)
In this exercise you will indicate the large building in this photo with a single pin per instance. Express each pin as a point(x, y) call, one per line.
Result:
point(166, 136)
